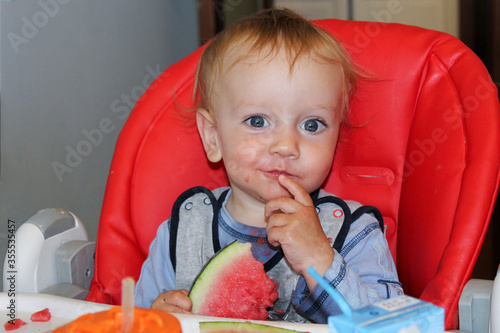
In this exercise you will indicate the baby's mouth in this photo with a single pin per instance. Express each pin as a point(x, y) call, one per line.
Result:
point(277, 173)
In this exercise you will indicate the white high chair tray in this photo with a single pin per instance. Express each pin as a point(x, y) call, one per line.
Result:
point(64, 310)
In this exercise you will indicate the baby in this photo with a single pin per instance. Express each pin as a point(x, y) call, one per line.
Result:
point(273, 90)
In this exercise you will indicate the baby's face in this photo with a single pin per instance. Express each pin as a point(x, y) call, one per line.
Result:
point(270, 122)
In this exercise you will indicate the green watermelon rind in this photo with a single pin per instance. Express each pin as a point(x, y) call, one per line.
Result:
point(221, 260)
point(229, 326)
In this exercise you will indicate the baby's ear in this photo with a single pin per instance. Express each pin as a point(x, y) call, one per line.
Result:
point(208, 132)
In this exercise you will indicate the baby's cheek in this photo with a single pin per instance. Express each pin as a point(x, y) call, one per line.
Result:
point(248, 151)
point(237, 170)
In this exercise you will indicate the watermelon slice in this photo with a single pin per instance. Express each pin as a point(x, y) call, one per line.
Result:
point(14, 324)
point(42, 315)
point(234, 284)
point(230, 327)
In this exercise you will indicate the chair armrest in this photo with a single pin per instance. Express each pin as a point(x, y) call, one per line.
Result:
point(56, 257)
point(474, 306)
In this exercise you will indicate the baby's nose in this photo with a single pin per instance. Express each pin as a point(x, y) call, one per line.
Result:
point(285, 144)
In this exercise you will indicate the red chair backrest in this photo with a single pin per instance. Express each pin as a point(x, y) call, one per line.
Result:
point(427, 155)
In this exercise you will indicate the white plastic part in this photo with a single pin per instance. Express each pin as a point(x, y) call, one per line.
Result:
point(474, 306)
point(29, 241)
point(495, 305)
point(37, 241)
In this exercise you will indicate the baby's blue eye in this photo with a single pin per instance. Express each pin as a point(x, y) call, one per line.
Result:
point(257, 121)
point(313, 125)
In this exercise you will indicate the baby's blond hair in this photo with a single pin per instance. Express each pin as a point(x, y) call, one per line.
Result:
point(265, 34)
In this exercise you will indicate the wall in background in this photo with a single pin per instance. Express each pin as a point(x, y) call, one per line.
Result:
point(441, 15)
point(71, 72)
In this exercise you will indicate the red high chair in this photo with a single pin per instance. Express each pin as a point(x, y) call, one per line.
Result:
point(427, 155)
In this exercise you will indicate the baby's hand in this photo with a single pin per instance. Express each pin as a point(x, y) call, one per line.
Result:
point(176, 301)
point(294, 224)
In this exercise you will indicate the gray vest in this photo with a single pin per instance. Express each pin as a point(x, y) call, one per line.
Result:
point(194, 239)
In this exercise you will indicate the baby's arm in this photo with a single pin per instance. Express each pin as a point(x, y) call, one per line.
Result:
point(156, 285)
point(363, 272)
point(293, 224)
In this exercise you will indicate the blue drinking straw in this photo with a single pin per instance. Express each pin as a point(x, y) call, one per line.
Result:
point(346, 309)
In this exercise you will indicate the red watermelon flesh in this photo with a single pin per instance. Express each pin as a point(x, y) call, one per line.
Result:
point(234, 285)
point(14, 324)
point(42, 315)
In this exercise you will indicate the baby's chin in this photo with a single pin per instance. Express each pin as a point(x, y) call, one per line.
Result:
point(276, 193)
